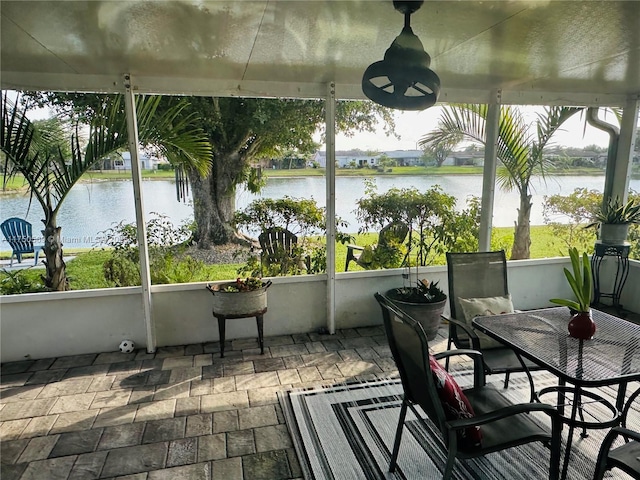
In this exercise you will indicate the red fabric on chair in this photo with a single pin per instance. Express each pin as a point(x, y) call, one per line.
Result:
point(455, 403)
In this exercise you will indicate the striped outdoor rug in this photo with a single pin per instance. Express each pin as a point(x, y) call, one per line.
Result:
point(347, 431)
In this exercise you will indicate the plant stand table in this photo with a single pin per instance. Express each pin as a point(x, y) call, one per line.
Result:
point(222, 323)
point(621, 252)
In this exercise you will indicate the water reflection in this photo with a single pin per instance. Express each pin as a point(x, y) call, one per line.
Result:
point(94, 207)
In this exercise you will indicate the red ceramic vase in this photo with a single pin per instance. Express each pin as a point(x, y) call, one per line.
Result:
point(582, 326)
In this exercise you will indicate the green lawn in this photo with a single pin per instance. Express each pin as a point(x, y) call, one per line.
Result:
point(85, 270)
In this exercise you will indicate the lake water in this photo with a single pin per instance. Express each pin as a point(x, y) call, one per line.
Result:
point(94, 207)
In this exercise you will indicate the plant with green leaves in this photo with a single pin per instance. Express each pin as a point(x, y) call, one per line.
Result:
point(300, 216)
point(166, 244)
point(35, 151)
point(519, 150)
point(434, 224)
point(16, 282)
point(579, 281)
point(614, 211)
point(567, 216)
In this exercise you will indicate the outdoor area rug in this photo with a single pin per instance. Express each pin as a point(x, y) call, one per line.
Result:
point(346, 432)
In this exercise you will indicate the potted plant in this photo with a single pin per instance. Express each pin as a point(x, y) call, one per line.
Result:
point(242, 298)
point(581, 325)
point(425, 302)
point(613, 219)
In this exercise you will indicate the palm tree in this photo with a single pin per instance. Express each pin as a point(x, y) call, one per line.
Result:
point(519, 151)
point(50, 173)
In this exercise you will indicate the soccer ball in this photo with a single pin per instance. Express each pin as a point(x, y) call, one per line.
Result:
point(127, 346)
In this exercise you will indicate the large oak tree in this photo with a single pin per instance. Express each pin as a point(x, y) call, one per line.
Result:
point(241, 131)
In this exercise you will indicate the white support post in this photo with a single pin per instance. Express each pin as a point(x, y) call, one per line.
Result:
point(624, 155)
point(145, 275)
point(492, 126)
point(330, 120)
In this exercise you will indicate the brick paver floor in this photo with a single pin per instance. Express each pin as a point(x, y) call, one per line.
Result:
point(182, 413)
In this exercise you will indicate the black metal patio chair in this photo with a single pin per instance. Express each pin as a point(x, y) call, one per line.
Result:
point(479, 275)
point(502, 423)
point(626, 457)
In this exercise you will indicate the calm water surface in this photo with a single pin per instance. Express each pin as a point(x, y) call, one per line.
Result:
point(92, 208)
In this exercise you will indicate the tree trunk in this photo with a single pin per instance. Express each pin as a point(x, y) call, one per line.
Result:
point(56, 275)
point(214, 202)
point(522, 236)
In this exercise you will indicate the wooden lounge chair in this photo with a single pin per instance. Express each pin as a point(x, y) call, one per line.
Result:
point(280, 249)
point(18, 233)
point(394, 232)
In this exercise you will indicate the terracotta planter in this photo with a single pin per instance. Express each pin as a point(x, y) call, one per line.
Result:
point(428, 314)
point(582, 326)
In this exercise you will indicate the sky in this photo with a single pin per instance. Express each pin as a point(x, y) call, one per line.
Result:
point(411, 126)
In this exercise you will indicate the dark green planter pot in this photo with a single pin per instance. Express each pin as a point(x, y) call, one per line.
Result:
point(428, 314)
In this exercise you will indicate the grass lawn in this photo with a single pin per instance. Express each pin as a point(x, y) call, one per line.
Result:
point(85, 270)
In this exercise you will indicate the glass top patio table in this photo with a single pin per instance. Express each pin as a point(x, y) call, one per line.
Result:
point(612, 356)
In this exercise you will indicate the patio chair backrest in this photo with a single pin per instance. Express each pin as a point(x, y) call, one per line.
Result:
point(475, 275)
point(18, 233)
point(277, 244)
point(393, 232)
point(410, 349)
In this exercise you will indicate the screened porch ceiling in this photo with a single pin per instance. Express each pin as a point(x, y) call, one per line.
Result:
point(534, 51)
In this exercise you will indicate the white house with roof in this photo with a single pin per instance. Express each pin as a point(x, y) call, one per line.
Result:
point(360, 159)
point(146, 162)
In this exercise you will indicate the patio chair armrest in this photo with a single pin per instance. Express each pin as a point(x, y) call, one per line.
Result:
point(460, 351)
point(355, 247)
point(476, 356)
point(624, 432)
point(505, 412)
point(469, 331)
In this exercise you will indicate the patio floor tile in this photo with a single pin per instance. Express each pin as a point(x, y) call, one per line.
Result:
point(121, 436)
point(182, 452)
point(198, 471)
point(228, 468)
point(266, 466)
point(240, 442)
point(163, 430)
point(141, 458)
point(74, 443)
point(52, 469)
point(88, 466)
point(180, 413)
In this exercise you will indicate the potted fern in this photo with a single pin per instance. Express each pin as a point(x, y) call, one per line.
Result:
point(581, 325)
point(613, 219)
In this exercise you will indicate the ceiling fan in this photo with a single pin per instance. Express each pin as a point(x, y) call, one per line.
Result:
point(403, 80)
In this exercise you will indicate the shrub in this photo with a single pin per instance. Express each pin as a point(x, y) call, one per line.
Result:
point(19, 281)
point(165, 242)
point(434, 224)
point(303, 218)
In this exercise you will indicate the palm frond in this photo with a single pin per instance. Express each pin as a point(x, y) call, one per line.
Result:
point(52, 176)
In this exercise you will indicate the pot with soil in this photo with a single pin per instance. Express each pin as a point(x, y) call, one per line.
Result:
point(425, 303)
point(240, 298)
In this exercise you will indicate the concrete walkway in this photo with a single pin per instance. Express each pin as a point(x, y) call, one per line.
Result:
point(181, 413)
